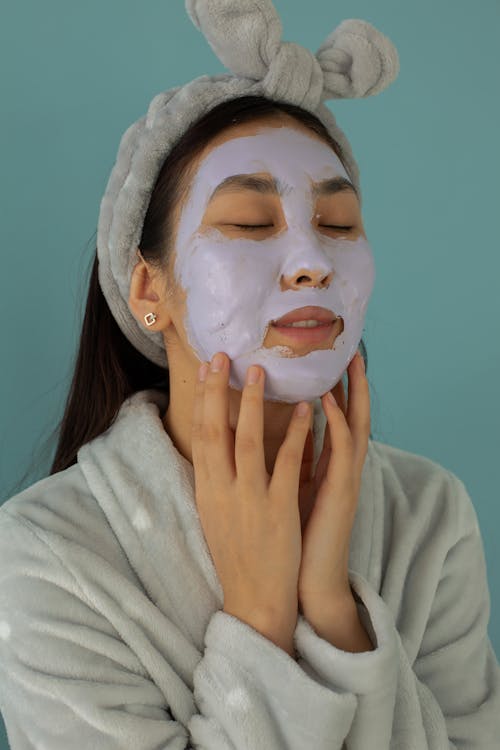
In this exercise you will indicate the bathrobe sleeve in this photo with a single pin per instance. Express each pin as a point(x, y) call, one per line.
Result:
point(448, 697)
point(70, 679)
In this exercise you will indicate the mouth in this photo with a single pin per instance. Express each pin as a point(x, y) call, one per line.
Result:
point(313, 335)
point(309, 325)
point(302, 314)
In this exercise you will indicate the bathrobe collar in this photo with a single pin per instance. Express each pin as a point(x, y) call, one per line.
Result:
point(146, 489)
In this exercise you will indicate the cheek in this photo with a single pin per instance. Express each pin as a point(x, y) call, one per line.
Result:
point(355, 269)
point(227, 292)
point(222, 279)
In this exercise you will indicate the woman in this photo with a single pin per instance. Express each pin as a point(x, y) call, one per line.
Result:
point(208, 565)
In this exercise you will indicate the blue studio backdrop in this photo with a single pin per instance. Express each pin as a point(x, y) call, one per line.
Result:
point(75, 76)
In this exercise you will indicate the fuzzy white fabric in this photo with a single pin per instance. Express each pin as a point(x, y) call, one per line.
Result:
point(112, 634)
point(354, 61)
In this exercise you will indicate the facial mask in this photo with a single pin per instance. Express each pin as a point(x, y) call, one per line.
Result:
point(234, 286)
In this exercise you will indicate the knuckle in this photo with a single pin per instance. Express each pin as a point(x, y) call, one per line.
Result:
point(252, 397)
point(245, 443)
point(199, 388)
point(196, 431)
point(213, 382)
point(211, 432)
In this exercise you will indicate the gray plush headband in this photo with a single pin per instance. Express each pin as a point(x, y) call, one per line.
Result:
point(354, 61)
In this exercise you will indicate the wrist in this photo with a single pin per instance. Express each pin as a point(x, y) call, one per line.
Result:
point(338, 623)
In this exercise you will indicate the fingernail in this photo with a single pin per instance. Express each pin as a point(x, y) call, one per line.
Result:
point(202, 372)
point(361, 361)
point(331, 397)
point(217, 363)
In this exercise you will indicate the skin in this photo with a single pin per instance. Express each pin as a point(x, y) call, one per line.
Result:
point(154, 290)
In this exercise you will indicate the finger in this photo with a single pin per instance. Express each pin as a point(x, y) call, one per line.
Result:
point(339, 468)
point(326, 450)
point(287, 466)
point(198, 457)
point(218, 439)
point(358, 409)
point(307, 458)
point(324, 458)
point(249, 437)
point(339, 394)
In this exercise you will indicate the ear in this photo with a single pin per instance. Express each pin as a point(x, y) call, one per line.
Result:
point(143, 294)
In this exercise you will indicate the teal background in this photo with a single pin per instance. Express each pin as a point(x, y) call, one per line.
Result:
point(75, 76)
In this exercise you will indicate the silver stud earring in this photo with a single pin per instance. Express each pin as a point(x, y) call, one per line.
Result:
point(150, 319)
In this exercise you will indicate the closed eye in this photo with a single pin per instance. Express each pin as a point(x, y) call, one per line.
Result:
point(334, 226)
point(265, 226)
point(251, 226)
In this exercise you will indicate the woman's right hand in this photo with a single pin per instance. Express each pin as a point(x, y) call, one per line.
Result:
point(251, 521)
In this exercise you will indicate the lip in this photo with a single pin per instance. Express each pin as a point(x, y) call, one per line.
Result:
point(312, 335)
point(321, 314)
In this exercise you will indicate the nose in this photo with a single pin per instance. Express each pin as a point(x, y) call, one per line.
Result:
point(306, 277)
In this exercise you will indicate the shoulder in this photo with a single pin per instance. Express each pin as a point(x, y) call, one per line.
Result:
point(409, 468)
point(422, 489)
point(58, 513)
point(51, 499)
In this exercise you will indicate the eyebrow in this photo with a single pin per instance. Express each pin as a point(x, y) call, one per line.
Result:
point(271, 186)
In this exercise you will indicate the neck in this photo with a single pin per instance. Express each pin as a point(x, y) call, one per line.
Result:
point(178, 418)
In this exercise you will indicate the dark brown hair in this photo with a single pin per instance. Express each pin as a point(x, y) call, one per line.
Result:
point(107, 367)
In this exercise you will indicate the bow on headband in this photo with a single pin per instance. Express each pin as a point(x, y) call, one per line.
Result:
point(354, 61)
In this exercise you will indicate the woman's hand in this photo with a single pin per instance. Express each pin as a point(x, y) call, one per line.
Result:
point(250, 520)
point(329, 498)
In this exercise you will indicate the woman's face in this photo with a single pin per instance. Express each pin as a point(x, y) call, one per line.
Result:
point(271, 223)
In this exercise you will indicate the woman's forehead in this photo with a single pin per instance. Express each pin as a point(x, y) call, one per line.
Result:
point(288, 154)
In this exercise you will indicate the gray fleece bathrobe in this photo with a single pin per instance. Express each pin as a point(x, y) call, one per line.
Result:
point(112, 634)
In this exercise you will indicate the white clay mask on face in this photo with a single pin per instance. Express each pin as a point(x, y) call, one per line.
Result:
point(237, 285)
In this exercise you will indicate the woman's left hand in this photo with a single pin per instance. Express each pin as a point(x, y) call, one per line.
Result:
point(328, 500)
